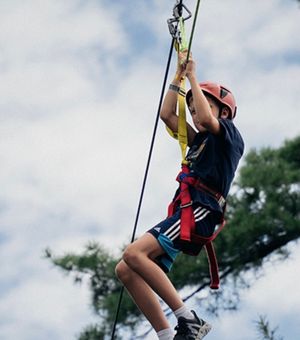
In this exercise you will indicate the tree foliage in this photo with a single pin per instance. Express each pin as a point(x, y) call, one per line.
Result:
point(263, 217)
point(264, 330)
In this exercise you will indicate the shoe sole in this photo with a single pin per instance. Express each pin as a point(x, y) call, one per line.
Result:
point(203, 331)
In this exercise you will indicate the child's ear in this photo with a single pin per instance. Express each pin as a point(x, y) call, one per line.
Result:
point(225, 112)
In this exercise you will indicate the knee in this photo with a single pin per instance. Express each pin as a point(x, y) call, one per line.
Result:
point(122, 271)
point(131, 256)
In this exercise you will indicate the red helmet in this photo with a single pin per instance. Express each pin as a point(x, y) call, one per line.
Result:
point(218, 92)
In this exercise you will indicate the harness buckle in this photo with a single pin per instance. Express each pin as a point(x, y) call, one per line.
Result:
point(186, 205)
point(221, 201)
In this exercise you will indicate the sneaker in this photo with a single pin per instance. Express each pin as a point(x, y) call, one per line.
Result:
point(191, 329)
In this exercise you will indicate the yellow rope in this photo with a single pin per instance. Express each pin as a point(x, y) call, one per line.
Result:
point(181, 135)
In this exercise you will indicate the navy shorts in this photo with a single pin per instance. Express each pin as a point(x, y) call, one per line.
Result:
point(167, 233)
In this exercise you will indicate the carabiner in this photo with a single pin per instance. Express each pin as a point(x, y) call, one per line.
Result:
point(178, 10)
point(177, 14)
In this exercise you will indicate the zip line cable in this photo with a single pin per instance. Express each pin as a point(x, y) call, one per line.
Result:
point(179, 5)
point(146, 174)
point(193, 29)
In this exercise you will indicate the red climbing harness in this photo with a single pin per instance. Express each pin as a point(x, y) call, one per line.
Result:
point(187, 219)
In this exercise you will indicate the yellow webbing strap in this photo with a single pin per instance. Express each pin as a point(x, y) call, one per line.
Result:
point(182, 127)
point(181, 135)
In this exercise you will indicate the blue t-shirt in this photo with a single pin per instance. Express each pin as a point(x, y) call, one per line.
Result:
point(214, 160)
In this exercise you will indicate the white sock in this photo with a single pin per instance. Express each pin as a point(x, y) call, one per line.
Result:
point(166, 334)
point(185, 312)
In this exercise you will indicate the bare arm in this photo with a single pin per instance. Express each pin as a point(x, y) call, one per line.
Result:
point(204, 114)
point(168, 111)
point(169, 107)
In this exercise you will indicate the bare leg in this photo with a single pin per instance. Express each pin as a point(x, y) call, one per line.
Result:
point(139, 258)
point(143, 296)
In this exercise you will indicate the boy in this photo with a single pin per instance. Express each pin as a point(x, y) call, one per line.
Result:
point(214, 153)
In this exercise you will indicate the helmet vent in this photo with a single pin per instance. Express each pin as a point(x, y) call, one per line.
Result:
point(223, 93)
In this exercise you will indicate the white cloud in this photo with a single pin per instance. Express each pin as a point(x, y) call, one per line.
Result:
point(77, 112)
point(49, 54)
point(33, 29)
point(47, 305)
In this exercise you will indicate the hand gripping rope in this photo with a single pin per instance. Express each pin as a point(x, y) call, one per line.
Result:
point(173, 24)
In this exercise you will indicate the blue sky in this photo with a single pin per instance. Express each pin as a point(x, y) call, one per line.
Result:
point(80, 82)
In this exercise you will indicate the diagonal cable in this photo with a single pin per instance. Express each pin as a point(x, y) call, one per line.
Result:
point(145, 175)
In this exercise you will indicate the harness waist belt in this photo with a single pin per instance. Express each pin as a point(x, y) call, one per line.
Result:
point(216, 195)
point(187, 219)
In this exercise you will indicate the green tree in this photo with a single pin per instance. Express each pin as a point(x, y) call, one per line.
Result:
point(264, 330)
point(263, 217)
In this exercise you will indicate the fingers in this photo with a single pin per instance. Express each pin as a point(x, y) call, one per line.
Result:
point(185, 67)
point(183, 54)
point(182, 58)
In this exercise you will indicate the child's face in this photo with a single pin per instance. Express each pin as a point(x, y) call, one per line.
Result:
point(215, 109)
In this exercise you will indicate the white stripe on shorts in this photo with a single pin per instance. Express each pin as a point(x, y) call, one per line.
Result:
point(176, 226)
point(174, 231)
point(201, 216)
